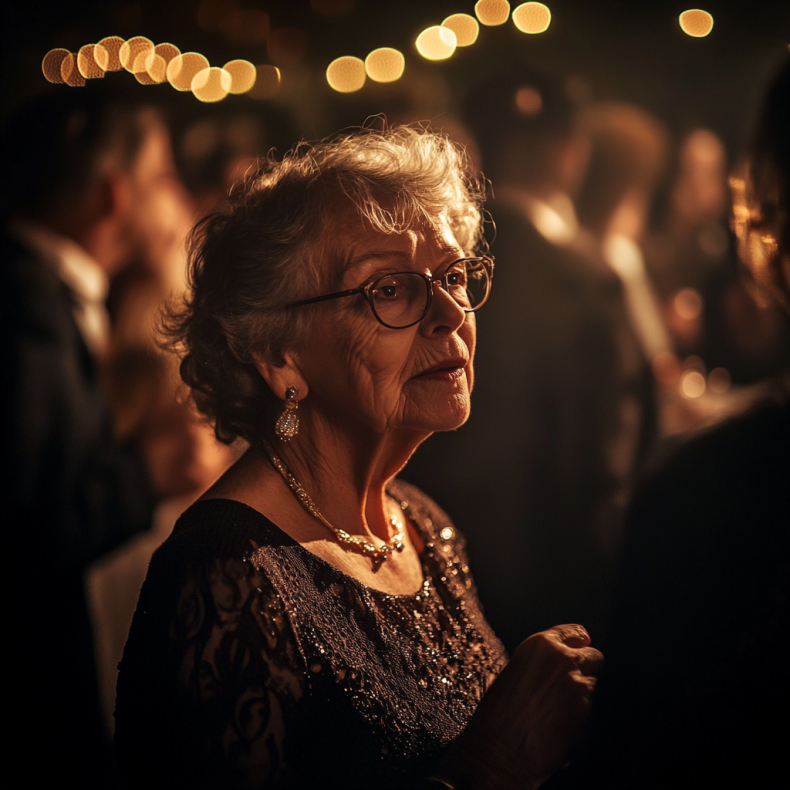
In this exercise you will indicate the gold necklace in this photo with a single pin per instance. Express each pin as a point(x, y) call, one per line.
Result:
point(378, 554)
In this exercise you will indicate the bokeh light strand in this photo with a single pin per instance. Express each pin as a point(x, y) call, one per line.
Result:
point(346, 74)
point(696, 23)
point(532, 18)
point(436, 43)
point(492, 12)
point(385, 64)
point(465, 27)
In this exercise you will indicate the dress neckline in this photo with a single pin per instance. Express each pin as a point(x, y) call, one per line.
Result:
point(287, 540)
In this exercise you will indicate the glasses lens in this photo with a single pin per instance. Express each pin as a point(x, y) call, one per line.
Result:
point(468, 283)
point(400, 300)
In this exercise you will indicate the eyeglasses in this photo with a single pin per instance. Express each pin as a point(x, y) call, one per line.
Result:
point(402, 299)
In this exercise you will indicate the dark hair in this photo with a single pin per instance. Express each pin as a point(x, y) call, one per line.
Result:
point(57, 145)
point(280, 238)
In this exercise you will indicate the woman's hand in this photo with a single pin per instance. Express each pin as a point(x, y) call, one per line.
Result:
point(531, 716)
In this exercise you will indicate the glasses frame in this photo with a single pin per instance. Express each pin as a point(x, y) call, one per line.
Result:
point(367, 288)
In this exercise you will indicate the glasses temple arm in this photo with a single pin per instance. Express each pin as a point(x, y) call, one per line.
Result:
point(324, 298)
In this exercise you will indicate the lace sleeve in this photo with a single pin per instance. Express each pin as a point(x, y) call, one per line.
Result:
point(215, 711)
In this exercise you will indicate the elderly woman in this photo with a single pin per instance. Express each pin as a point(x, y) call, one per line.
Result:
point(312, 621)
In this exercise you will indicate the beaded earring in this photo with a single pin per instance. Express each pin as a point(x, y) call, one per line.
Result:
point(287, 425)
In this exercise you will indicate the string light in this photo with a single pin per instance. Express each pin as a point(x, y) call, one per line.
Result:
point(182, 70)
point(133, 53)
point(211, 85)
point(69, 71)
point(346, 74)
point(436, 43)
point(86, 63)
point(492, 12)
point(242, 76)
point(696, 23)
point(532, 18)
point(109, 48)
point(385, 64)
point(50, 65)
point(465, 28)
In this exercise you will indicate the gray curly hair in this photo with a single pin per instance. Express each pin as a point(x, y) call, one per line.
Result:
point(271, 245)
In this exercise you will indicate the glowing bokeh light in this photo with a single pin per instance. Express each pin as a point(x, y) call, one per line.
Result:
point(346, 74)
point(696, 23)
point(111, 45)
point(385, 64)
point(51, 63)
point(69, 71)
point(492, 12)
point(182, 69)
point(688, 304)
point(529, 102)
point(130, 52)
point(465, 28)
point(242, 75)
point(532, 18)
point(154, 69)
point(692, 384)
point(211, 85)
point(167, 52)
point(267, 82)
point(86, 63)
point(436, 43)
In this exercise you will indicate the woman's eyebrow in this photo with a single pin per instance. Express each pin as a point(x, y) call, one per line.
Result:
point(376, 256)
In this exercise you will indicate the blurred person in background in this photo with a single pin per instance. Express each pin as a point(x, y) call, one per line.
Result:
point(694, 692)
point(561, 414)
point(89, 189)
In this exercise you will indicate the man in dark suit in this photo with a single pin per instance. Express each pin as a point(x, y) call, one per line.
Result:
point(88, 184)
point(560, 411)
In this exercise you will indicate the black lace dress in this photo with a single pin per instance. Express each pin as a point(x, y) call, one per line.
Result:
point(252, 663)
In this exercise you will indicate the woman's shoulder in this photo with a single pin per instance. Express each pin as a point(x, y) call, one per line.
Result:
point(222, 529)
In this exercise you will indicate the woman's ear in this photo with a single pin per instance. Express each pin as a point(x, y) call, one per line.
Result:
point(282, 375)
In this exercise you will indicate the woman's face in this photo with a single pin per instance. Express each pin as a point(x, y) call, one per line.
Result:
point(366, 375)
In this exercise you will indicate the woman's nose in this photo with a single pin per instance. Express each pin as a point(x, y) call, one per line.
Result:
point(445, 311)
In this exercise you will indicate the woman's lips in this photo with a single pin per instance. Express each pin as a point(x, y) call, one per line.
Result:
point(452, 371)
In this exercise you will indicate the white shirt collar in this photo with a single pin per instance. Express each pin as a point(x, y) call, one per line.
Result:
point(83, 275)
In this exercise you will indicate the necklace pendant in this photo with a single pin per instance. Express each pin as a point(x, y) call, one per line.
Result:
point(399, 547)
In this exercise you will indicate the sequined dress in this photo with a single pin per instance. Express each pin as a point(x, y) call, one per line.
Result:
point(253, 663)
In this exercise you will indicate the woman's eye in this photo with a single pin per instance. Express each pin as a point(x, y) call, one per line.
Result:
point(387, 290)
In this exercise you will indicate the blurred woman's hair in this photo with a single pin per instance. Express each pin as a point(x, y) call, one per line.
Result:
point(282, 237)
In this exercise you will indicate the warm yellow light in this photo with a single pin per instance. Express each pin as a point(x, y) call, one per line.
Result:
point(465, 28)
point(385, 65)
point(532, 18)
point(167, 52)
point(130, 51)
point(696, 23)
point(51, 63)
point(87, 64)
point(182, 69)
point(69, 71)
point(267, 82)
point(436, 43)
point(154, 69)
point(211, 85)
point(242, 75)
point(109, 47)
point(346, 74)
point(492, 12)
point(692, 384)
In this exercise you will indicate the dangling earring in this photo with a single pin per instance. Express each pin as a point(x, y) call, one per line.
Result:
point(288, 422)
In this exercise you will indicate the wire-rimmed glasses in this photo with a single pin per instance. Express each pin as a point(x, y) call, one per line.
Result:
point(402, 299)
